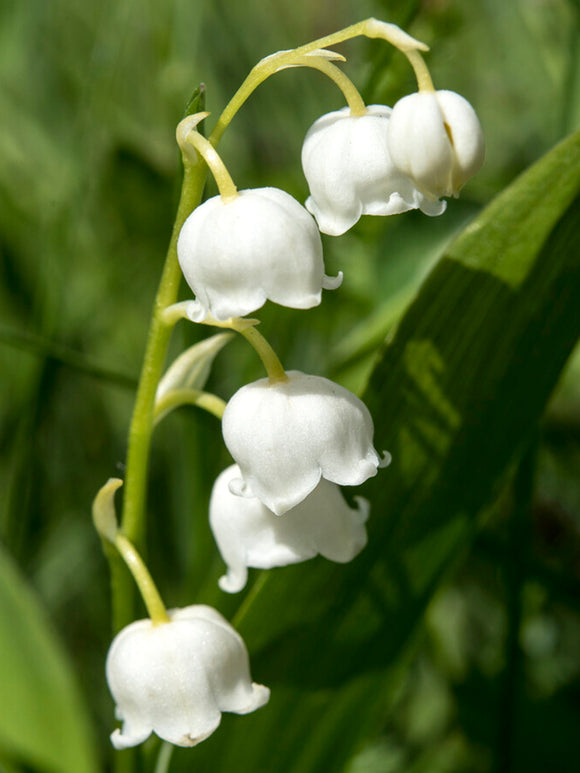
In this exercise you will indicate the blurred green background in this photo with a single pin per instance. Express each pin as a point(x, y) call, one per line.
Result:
point(90, 94)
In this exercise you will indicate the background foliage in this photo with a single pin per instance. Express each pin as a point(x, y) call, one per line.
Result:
point(452, 643)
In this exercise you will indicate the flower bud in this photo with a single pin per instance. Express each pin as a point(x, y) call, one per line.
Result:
point(261, 245)
point(175, 679)
point(436, 139)
point(248, 534)
point(348, 166)
point(286, 435)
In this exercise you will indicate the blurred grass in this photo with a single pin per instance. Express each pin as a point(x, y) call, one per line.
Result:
point(89, 96)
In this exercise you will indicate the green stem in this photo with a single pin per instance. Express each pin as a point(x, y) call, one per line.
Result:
point(147, 588)
point(344, 83)
point(273, 366)
point(371, 28)
point(177, 397)
point(206, 150)
point(132, 523)
point(242, 325)
point(105, 521)
point(424, 81)
point(156, 350)
point(164, 758)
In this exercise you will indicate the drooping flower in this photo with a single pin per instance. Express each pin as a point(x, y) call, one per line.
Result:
point(174, 679)
point(348, 166)
point(261, 245)
point(436, 139)
point(286, 435)
point(248, 534)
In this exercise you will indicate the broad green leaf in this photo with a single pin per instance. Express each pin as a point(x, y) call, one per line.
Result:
point(43, 722)
point(455, 397)
point(418, 250)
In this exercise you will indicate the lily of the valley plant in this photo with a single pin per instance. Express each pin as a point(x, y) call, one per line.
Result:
point(295, 438)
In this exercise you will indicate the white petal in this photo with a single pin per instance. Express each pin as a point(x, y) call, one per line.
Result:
point(236, 578)
point(419, 144)
point(332, 282)
point(132, 735)
point(467, 135)
point(436, 139)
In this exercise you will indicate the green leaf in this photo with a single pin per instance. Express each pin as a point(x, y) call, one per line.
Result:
point(43, 722)
point(196, 103)
point(455, 397)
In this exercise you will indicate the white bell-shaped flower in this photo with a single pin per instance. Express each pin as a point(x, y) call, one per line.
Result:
point(261, 245)
point(248, 534)
point(175, 679)
point(436, 139)
point(349, 170)
point(286, 435)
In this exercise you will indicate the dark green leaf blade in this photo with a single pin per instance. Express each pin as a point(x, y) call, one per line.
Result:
point(455, 397)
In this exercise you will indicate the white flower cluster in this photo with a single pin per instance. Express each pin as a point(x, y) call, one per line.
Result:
point(389, 161)
point(262, 244)
point(295, 438)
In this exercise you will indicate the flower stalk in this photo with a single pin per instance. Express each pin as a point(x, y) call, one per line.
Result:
point(177, 397)
point(270, 360)
point(155, 353)
point(344, 83)
point(188, 138)
point(243, 326)
point(105, 521)
point(424, 80)
point(147, 588)
point(370, 28)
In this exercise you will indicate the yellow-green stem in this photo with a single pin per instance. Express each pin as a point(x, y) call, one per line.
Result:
point(371, 28)
point(268, 356)
point(344, 83)
point(424, 81)
point(147, 588)
point(242, 325)
point(132, 522)
point(164, 757)
point(206, 150)
point(155, 353)
point(205, 400)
